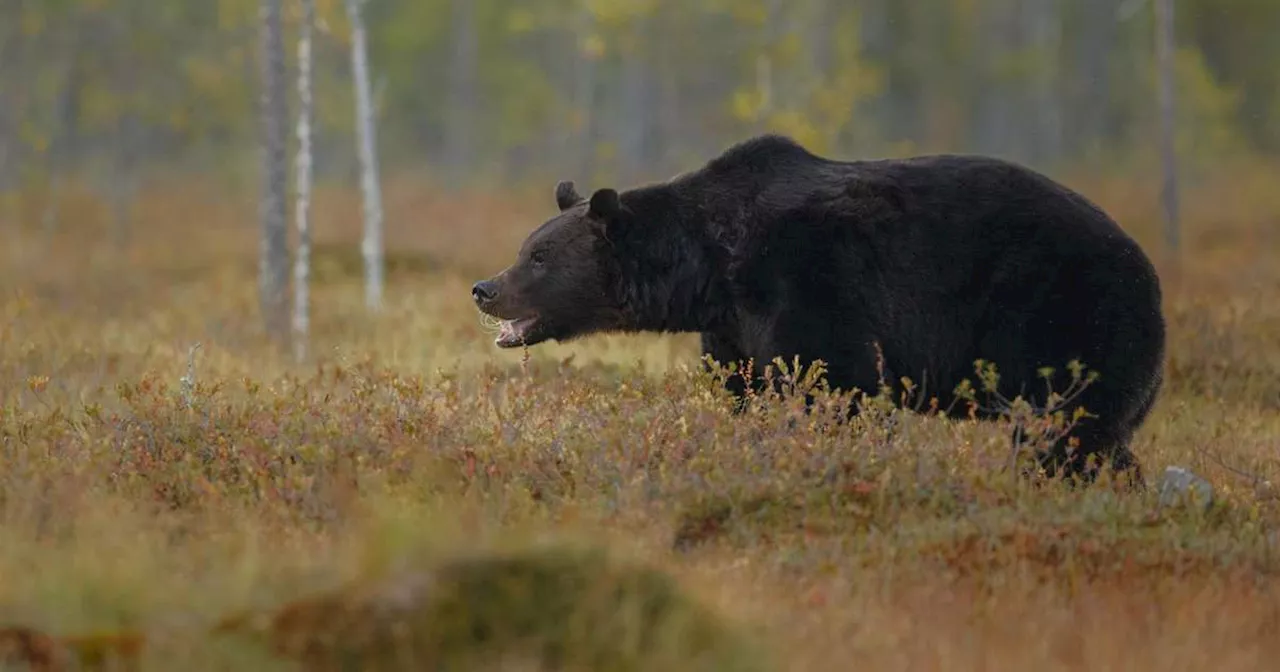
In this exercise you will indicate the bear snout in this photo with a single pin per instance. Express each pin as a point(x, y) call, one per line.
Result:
point(484, 292)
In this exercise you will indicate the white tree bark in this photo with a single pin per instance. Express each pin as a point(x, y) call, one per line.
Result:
point(371, 247)
point(1094, 43)
point(122, 182)
point(461, 110)
point(635, 135)
point(302, 209)
point(584, 95)
point(1168, 119)
point(1044, 27)
point(60, 150)
point(273, 262)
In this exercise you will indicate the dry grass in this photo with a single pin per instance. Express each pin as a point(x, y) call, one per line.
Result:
point(134, 505)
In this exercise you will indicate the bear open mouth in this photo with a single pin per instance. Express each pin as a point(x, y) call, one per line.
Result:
point(515, 333)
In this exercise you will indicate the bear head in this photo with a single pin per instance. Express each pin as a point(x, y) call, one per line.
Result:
point(564, 281)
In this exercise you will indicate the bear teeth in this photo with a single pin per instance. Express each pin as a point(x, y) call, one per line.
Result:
point(513, 332)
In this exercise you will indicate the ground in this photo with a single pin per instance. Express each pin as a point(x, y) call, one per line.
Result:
point(148, 486)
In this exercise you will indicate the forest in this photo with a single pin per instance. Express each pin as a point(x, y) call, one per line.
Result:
point(627, 90)
point(250, 417)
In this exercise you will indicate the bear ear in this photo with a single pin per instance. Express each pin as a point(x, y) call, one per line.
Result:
point(605, 205)
point(566, 195)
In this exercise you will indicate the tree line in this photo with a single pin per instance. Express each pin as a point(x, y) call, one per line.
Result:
point(619, 90)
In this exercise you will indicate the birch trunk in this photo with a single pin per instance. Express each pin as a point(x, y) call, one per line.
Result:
point(371, 246)
point(59, 151)
point(1095, 43)
point(1168, 122)
point(273, 269)
point(122, 183)
point(302, 208)
point(1044, 28)
point(584, 95)
point(637, 106)
point(461, 110)
point(994, 120)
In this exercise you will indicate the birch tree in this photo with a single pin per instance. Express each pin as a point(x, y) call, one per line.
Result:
point(273, 268)
point(1093, 46)
point(1043, 27)
point(304, 170)
point(585, 75)
point(371, 246)
point(459, 147)
point(1168, 150)
point(650, 84)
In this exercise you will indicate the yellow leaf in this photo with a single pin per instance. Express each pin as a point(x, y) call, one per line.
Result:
point(747, 104)
point(593, 47)
point(35, 137)
point(521, 20)
point(235, 13)
point(32, 24)
point(178, 120)
point(37, 384)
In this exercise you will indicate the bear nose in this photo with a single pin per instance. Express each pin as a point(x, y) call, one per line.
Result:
point(484, 291)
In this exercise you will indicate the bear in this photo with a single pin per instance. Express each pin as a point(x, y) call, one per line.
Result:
point(914, 267)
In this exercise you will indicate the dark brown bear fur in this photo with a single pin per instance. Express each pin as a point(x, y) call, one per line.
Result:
point(770, 251)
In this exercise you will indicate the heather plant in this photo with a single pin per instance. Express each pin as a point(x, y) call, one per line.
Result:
point(164, 469)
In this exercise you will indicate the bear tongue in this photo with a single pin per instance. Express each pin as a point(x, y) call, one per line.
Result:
point(512, 332)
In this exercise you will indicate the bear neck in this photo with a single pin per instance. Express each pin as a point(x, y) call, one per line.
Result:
point(672, 280)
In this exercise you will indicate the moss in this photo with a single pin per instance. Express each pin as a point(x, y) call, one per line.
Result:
point(559, 609)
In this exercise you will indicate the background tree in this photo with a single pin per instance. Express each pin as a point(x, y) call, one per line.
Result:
point(302, 212)
point(274, 261)
point(1168, 120)
point(368, 147)
point(506, 92)
point(462, 85)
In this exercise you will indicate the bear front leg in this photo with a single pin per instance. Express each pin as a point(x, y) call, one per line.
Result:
point(725, 353)
point(864, 369)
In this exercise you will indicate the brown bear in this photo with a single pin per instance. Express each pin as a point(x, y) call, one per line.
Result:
point(927, 263)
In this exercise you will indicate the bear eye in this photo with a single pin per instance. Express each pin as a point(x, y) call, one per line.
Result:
point(539, 256)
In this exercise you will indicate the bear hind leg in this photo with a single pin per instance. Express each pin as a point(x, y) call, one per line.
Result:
point(1096, 446)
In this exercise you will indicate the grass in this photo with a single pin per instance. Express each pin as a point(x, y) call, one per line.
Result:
point(225, 508)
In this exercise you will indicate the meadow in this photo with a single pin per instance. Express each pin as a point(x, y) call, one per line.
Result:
point(164, 468)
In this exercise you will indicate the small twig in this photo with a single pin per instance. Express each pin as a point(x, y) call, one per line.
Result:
point(1256, 481)
point(188, 381)
point(1017, 447)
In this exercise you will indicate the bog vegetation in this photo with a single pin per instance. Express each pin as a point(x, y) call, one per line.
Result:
point(177, 489)
point(176, 486)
